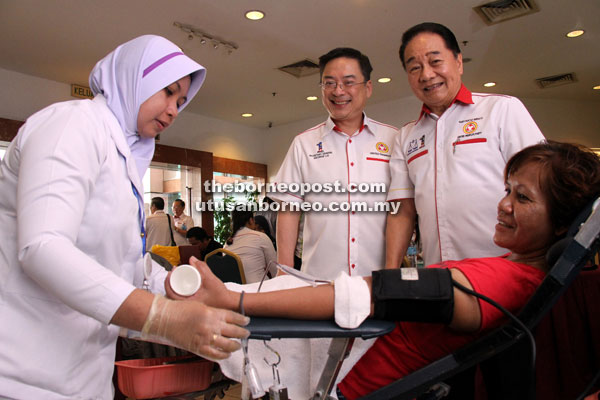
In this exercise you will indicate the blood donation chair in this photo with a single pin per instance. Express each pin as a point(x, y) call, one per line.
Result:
point(506, 355)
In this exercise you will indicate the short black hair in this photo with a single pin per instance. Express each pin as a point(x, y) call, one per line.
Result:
point(347, 52)
point(429, 27)
point(181, 201)
point(158, 202)
point(198, 233)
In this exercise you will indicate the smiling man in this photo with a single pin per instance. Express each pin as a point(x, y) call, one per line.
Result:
point(447, 165)
point(350, 149)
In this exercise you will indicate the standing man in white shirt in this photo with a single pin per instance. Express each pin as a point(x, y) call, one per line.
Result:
point(181, 222)
point(158, 225)
point(447, 166)
point(349, 149)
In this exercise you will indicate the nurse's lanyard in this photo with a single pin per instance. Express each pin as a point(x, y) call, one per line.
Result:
point(141, 216)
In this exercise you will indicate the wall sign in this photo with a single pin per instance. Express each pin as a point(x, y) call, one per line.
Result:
point(83, 92)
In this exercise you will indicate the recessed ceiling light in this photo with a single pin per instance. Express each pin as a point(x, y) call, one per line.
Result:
point(247, 115)
point(255, 15)
point(489, 84)
point(597, 87)
point(312, 98)
point(384, 80)
point(575, 33)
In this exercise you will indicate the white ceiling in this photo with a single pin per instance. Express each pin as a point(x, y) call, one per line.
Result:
point(62, 39)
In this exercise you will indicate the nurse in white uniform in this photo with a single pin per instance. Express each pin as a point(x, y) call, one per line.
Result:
point(71, 242)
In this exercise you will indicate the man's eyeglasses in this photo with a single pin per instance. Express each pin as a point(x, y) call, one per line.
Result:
point(332, 85)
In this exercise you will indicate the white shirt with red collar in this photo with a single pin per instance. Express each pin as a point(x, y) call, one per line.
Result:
point(453, 167)
point(336, 241)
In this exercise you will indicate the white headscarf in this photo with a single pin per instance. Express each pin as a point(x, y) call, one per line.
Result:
point(131, 74)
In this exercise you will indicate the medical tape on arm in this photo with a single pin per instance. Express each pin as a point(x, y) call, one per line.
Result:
point(352, 300)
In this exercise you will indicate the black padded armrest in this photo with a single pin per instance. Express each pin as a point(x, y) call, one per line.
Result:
point(279, 328)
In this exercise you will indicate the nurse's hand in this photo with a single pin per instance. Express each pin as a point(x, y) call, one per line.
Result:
point(196, 327)
point(212, 291)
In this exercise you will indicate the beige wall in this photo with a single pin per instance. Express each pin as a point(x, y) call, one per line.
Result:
point(22, 95)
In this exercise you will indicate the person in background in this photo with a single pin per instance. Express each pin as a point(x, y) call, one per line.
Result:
point(447, 165)
point(198, 236)
point(261, 224)
point(546, 187)
point(158, 225)
point(181, 222)
point(348, 149)
point(254, 248)
point(269, 214)
point(74, 171)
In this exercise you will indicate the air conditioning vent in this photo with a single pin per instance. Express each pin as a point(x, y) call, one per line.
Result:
point(301, 68)
point(556, 80)
point(502, 10)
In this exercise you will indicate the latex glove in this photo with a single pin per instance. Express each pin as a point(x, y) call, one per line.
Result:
point(195, 327)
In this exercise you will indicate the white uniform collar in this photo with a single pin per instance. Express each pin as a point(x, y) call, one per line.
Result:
point(368, 126)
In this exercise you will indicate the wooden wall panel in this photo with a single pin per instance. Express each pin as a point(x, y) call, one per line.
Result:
point(246, 168)
point(9, 129)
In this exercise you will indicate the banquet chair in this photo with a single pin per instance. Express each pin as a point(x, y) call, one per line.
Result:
point(187, 251)
point(226, 265)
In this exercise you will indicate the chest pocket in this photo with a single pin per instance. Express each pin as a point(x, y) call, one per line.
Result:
point(417, 155)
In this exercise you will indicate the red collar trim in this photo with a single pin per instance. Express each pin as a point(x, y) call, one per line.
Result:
point(464, 96)
point(335, 128)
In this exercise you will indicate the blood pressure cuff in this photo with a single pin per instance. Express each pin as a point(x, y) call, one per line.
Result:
point(411, 294)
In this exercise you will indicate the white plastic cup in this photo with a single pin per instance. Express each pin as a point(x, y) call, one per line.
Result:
point(185, 280)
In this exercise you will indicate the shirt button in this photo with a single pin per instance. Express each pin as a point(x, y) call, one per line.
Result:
point(353, 239)
point(353, 265)
point(141, 234)
point(352, 164)
point(353, 212)
point(349, 140)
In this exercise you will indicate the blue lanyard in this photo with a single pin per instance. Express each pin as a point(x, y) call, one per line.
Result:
point(141, 216)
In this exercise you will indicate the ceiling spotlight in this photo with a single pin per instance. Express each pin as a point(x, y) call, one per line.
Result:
point(255, 15)
point(312, 98)
point(489, 84)
point(575, 33)
point(384, 80)
point(205, 37)
point(247, 115)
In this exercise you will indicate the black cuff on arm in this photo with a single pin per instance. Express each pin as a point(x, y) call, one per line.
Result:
point(429, 298)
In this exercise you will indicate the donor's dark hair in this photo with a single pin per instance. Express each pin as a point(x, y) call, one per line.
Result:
point(569, 177)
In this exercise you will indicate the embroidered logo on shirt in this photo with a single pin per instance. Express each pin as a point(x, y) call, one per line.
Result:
point(470, 127)
point(382, 147)
point(381, 150)
point(320, 152)
point(415, 145)
point(320, 147)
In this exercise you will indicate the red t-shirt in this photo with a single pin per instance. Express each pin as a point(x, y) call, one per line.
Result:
point(412, 345)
